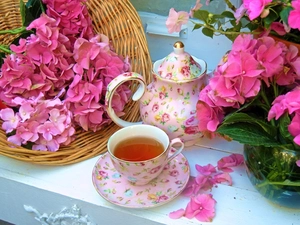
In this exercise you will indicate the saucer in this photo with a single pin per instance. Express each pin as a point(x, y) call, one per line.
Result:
point(117, 190)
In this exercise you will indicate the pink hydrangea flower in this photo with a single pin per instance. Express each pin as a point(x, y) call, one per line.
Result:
point(72, 16)
point(47, 124)
point(11, 120)
point(294, 16)
point(210, 114)
point(176, 20)
point(56, 78)
point(278, 28)
point(255, 7)
point(294, 128)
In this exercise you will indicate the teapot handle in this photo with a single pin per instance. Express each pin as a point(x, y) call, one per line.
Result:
point(113, 86)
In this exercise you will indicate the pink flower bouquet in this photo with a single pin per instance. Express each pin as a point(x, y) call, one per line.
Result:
point(54, 80)
point(253, 95)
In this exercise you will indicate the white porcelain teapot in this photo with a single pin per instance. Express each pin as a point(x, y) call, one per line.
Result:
point(169, 102)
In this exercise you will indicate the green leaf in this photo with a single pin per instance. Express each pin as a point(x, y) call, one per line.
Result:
point(197, 26)
point(272, 17)
point(246, 118)
point(33, 10)
point(247, 133)
point(284, 121)
point(208, 32)
point(2, 56)
point(228, 14)
point(201, 15)
point(236, 27)
point(284, 14)
point(218, 16)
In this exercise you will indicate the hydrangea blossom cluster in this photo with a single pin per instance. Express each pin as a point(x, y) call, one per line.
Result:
point(240, 75)
point(45, 123)
point(65, 61)
point(202, 204)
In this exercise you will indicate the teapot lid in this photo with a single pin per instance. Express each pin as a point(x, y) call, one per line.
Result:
point(179, 65)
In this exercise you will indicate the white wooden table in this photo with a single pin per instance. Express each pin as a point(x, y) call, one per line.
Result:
point(49, 189)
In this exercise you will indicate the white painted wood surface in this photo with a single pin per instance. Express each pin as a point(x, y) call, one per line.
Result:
point(49, 189)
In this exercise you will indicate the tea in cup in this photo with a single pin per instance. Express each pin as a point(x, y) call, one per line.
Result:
point(140, 152)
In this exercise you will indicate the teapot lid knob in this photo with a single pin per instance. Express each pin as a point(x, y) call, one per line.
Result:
point(178, 44)
point(178, 47)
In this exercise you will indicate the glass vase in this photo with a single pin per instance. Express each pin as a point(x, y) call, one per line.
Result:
point(274, 173)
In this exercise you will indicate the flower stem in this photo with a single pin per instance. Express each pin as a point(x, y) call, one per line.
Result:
point(5, 49)
point(223, 31)
point(283, 183)
point(13, 31)
point(229, 4)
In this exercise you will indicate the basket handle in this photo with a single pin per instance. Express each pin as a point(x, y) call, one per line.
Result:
point(113, 86)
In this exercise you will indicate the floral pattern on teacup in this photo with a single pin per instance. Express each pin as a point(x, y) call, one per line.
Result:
point(117, 190)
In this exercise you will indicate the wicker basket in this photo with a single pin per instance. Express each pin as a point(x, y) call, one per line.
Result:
point(120, 22)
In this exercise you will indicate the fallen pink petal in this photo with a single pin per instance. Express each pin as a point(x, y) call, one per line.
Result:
point(230, 161)
point(204, 182)
point(177, 214)
point(191, 188)
point(223, 178)
point(206, 170)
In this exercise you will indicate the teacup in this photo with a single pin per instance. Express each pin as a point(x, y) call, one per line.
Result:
point(140, 152)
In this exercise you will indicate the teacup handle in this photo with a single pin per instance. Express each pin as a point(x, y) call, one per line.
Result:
point(113, 86)
point(178, 149)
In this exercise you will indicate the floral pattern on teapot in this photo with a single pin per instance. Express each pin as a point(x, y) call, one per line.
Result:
point(179, 68)
point(171, 107)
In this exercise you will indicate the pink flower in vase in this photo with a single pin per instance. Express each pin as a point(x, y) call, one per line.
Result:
point(255, 7)
point(294, 17)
